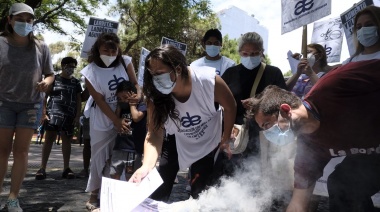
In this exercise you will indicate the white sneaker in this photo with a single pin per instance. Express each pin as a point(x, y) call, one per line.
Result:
point(13, 205)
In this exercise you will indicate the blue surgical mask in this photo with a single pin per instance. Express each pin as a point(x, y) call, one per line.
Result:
point(212, 50)
point(163, 83)
point(250, 62)
point(276, 136)
point(22, 28)
point(367, 36)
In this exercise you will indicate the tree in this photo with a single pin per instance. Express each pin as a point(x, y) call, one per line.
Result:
point(50, 13)
point(144, 23)
point(230, 49)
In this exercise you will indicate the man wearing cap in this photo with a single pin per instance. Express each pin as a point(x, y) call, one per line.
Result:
point(61, 114)
point(26, 71)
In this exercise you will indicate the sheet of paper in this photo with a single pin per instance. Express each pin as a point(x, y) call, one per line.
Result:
point(119, 195)
point(152, 206)
point(292, 62)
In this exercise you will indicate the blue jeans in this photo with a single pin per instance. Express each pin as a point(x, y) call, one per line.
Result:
point(19, 115)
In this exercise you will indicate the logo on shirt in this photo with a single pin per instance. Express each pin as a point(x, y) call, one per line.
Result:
point(189, 121)
point(354, 151)
point(112, 84)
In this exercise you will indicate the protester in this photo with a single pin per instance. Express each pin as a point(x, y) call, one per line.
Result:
point(212, 43)
point(181, 98)
point(85, 122)
point(240, 80)
point(309, 70)
point(367, 32)
point(24, 61)
point(106, 70)
point(129, 146)
point(61, 114)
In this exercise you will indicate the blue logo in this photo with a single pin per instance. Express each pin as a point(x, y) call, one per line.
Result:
point(188, 121)
point(328, 50)
point(114, 82)
point(303, 6)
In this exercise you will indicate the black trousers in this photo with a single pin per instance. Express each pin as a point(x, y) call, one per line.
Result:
point(202, 171)
point(353, 183)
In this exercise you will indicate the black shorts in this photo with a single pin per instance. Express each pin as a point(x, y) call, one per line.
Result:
point(67, 129)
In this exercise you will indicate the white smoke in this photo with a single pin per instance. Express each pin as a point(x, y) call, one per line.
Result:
point(245, 191)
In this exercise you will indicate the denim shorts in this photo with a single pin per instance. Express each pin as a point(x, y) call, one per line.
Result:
point(124, 161)
point(20, 115)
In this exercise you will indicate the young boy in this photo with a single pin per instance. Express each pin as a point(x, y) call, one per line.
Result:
point(129, 145)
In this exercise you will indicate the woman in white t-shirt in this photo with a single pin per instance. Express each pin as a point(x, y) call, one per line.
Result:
point(367, 32)
point(181, 100)
point(106, 70)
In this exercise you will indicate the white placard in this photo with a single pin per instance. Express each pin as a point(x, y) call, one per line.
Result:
point(143, 54)
point(329, 34)
point(96, 27)
point(296, 13)
point(181, 46)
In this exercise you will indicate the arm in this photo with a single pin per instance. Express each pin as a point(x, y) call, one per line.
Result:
point(85, 95)
point(136, 115)
point(132, 77)
point(46, 83)
point(300, 200)
point(79, 108)
point(152, 147)
point(224, 97)
point(291, 82)
point(105, 108)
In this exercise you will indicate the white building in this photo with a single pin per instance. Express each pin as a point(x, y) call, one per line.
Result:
point(235, 22)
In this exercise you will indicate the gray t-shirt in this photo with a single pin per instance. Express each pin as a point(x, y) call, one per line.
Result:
point(21, 68)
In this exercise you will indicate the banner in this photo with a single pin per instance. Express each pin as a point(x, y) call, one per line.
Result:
point(329, 34)
point(296, 13)
point(94, 29)
point(143, 54)
point(181, 46)
point(348, 19)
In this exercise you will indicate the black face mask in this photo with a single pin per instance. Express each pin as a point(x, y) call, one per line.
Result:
point(124, 105)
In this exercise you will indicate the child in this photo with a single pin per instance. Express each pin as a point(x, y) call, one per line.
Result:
point(129, 145)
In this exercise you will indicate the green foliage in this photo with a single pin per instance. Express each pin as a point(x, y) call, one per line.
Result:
point(267, 60)
point(50, 13)
point(288, 74)
point(144, 23)
point(230, 49)
point(56, 48)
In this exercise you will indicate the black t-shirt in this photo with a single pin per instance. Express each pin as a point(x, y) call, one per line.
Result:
point(240, 81)
point(134, 142)
point(62, 105)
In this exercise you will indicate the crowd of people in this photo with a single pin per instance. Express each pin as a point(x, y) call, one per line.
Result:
point(185, 114)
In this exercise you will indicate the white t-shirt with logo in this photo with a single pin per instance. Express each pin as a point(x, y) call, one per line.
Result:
point(104, 81)
point(200, 128)
point(220, 65)
point(362, 57)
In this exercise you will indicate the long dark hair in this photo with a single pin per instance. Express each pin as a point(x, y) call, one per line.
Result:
point(372, 11)
point(164, 104)
point(111, 41)
point(33, 40)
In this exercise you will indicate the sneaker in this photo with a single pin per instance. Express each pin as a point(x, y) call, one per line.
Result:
point(41, 174)
point(68, 174)
point(13, 205)
point(83, 174)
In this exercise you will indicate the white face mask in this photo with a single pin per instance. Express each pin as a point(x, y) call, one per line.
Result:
point(367, 36)
point(163, 83)
point(212, 50)
point(107, 60)
point(250, 62)
point(311, 59)
point(276, 136)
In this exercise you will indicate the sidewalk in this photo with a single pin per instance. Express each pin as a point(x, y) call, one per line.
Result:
point(58, 194)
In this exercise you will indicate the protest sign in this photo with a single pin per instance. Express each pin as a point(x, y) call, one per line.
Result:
point(348, 19)
point(94, 29)
point(329, 34)
point(181, 46)
point(302, 12)
point(140, 78)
